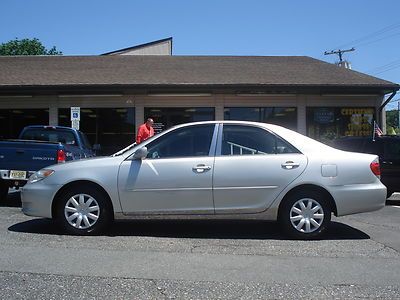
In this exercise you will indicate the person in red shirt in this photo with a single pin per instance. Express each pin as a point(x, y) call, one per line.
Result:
point(145, 131)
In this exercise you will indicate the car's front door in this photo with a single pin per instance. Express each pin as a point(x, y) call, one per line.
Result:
point(176, 175)
point(251, 168)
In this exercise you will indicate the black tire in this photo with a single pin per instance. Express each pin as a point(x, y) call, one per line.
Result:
point(3, 192)
point(288, 210)
point(100, 203)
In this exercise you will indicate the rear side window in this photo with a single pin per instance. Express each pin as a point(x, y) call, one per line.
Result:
point(249, 140)
point(49, 135)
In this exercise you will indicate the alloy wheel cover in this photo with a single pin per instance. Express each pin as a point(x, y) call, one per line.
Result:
point(82, 211)
point(306, 215)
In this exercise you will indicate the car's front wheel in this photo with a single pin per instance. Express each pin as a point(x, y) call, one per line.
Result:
point(305, 215)
point(83, 210)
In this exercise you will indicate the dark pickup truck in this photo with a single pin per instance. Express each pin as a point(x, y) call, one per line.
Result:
point(387, 147)
point(38, 147)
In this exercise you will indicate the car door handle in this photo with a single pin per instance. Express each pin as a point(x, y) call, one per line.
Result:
point(201, 168)
point(290, 165)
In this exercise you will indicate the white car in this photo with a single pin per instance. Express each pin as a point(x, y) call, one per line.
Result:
point(218, 169)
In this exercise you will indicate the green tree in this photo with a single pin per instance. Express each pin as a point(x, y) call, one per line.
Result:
point(26, 47)
point(392, 118)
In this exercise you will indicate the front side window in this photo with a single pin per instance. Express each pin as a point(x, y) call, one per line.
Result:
point(248, 140)
point(183, 142)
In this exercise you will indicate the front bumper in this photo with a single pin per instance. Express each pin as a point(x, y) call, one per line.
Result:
point(37, 199)
point(358, 198)
point(12, 182)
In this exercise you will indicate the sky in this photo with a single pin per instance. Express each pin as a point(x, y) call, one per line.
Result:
point(217, 27)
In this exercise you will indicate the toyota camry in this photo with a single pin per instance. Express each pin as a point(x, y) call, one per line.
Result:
point(218, 169)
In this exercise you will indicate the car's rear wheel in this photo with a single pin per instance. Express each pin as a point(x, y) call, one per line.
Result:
point(3, 191)
point(305, 215)
point(83, 210)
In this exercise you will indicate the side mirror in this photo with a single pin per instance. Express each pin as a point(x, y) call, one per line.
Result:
point(140, 153)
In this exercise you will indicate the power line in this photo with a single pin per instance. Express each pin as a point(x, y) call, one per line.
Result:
point(371, 35)
point(378, 40)
point(388, 69)
point(384, 67)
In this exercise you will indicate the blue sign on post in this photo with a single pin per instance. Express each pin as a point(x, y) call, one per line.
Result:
point(75, 113)
point(75, 117)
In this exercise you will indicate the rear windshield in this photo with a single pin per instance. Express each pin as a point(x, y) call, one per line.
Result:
point(49, 135)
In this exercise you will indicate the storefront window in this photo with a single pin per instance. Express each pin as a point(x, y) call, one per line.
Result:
point(328, 123)
point(112, 128)
point(14, 120)
point(165, 118)
point(283, 116)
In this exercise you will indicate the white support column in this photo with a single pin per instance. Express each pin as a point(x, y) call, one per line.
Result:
point(139, 113)
point(219, 108)
point(53, 115)
point(301, 114)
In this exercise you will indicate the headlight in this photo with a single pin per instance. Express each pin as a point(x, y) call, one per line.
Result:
point(39, 175)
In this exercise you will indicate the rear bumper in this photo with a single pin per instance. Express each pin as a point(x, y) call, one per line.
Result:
point(37, 199)
point(358, 198)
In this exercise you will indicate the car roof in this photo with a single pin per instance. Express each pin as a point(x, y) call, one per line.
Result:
point(49, 126)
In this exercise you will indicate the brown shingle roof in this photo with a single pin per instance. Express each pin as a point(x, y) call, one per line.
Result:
point(63, 71)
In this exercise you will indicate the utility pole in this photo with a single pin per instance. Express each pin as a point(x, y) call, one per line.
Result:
point(339, 52)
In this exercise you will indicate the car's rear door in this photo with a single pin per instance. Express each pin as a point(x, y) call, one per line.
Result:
point(251, 168)
point(176, 176)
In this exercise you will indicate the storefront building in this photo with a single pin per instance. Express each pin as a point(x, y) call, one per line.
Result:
point(116, 93)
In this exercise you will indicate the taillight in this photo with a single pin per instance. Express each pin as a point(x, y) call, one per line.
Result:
point(61, 156)
point(375, 168)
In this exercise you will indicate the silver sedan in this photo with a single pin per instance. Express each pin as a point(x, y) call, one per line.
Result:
point(220, 169)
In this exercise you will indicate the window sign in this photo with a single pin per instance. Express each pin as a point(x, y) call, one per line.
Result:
point(329, 123)
point(324, 116)
point(360, 121)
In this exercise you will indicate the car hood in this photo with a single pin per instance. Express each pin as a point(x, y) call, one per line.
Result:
point(84, 163)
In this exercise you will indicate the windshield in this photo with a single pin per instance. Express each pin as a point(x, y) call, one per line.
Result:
point(120, 152)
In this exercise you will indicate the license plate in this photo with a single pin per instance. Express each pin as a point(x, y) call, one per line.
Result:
point(17, 174)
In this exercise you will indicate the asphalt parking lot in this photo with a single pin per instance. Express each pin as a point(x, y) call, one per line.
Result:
point(359, 258)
